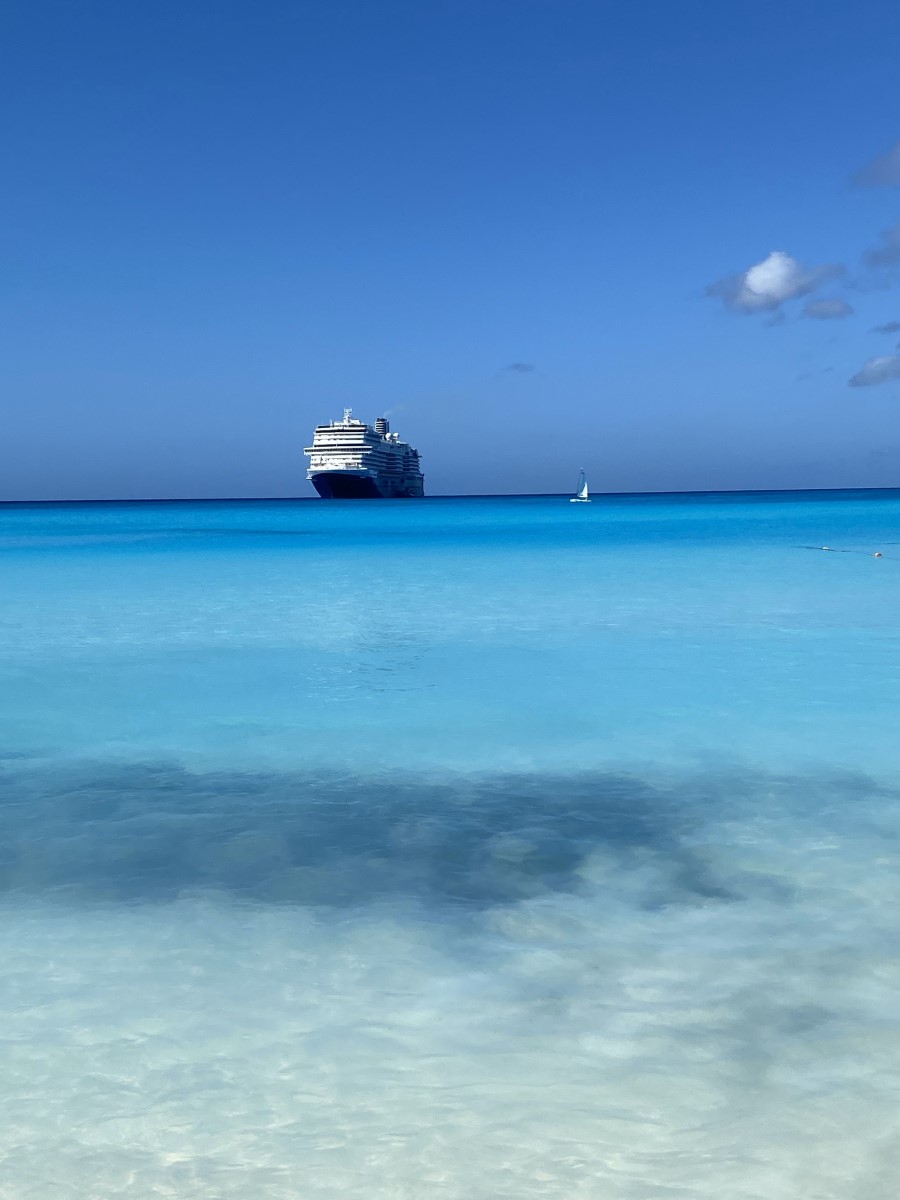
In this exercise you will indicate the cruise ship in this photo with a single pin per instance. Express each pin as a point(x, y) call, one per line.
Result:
point(350, 460)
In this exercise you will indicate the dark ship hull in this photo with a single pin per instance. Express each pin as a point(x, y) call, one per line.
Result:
point(339, 485)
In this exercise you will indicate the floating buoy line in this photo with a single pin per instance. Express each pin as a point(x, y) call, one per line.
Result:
point(841, 550)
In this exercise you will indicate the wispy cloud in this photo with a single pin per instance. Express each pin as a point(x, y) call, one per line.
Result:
point(883, 171)
point(520, 368)
point(827, 310)
point(888, 327)
point(888, 253)
point(805, 375)
point(884, 369)
point(767, 285)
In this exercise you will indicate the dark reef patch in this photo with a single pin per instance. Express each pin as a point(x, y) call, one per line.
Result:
point(152, 832)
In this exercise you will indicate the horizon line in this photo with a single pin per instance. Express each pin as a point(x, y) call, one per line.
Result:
point(449, 496)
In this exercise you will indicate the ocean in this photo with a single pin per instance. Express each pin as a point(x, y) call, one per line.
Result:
point(464, 849)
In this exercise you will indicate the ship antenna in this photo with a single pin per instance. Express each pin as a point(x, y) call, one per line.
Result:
point(347, 412)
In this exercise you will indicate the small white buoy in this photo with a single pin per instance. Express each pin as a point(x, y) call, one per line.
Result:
point(878, 554)
point(826, 547)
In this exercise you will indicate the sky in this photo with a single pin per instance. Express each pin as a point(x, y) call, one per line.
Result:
point(658, 240)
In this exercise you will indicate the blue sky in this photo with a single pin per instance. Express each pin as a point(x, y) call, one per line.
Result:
point(223, 222)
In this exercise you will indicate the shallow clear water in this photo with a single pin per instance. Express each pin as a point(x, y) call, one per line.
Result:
point(457, 848)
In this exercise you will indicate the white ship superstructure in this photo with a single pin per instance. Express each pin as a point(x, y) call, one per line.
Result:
point(350, 460)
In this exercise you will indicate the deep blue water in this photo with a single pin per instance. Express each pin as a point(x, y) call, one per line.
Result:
point(467, 848)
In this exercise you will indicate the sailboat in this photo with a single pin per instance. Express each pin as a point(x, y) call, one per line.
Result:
point(581, 492)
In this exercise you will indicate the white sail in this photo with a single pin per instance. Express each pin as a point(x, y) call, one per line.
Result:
point(581, 491)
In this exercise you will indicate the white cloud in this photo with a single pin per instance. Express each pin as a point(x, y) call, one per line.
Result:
point(883, 171)
point(766, 285)
point(883, 369)
point(827, 310)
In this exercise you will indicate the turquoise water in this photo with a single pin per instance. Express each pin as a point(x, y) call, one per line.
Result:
point(461, 848)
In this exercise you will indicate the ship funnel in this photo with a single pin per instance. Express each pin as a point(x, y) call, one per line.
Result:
point(382, 426)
